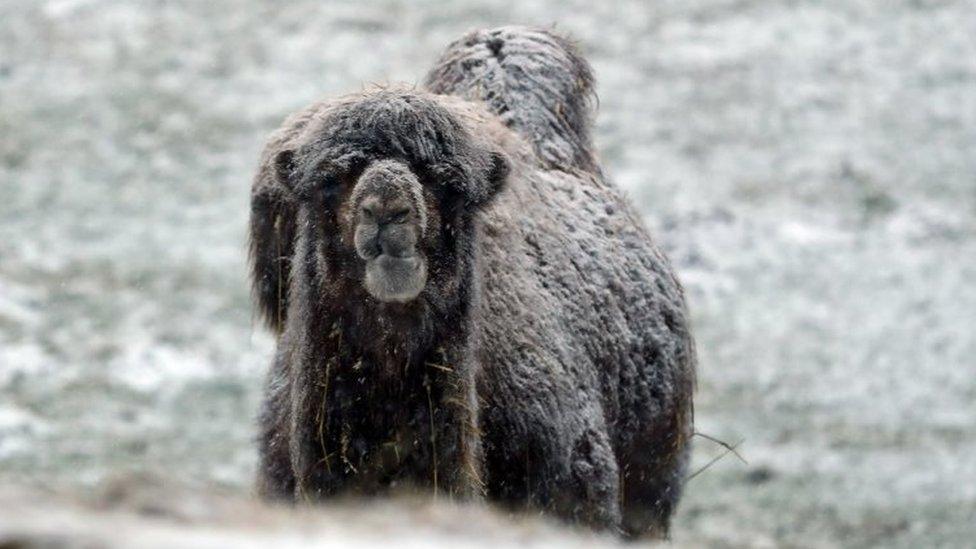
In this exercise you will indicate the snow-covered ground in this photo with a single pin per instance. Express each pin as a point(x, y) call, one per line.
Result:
point(809, 165)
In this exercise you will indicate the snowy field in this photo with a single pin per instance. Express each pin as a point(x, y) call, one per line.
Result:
point(809, 165)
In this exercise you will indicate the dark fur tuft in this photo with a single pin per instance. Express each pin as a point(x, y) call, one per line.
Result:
point(271, 234)
point(271, 246)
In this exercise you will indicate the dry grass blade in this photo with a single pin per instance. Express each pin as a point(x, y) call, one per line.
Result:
point(729, 449)
point(724, 444)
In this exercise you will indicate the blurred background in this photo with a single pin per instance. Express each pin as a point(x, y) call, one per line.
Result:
point(809, 165)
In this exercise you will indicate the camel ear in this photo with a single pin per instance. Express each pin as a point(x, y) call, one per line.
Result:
point(480, 188)
point(283, 165)
point(498, 171)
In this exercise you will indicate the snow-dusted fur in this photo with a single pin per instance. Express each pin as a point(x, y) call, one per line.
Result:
point(547, 363)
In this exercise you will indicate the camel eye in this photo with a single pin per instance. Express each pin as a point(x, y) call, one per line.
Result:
point(399, 216)
point(329, 187)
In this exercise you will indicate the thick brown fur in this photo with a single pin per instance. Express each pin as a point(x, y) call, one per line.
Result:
point(548, 360)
